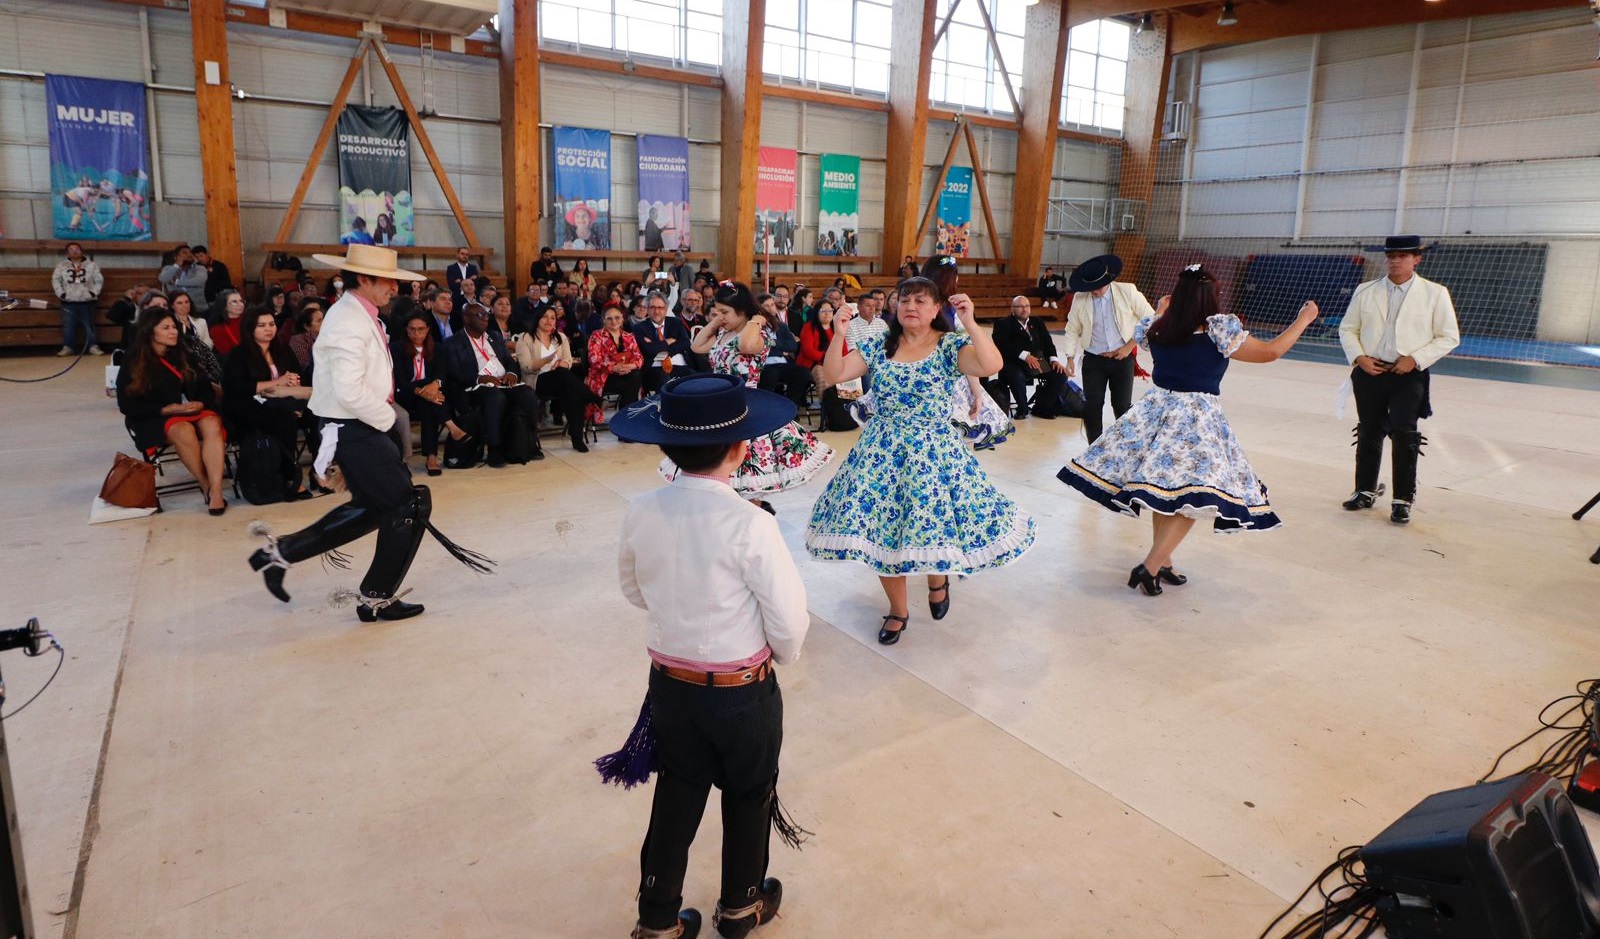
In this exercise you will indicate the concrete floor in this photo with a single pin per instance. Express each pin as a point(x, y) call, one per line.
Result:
point(1061, 757)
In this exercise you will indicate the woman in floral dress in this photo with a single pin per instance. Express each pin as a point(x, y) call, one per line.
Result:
point(1173, 452)
point(737, 338)
point(910, 498)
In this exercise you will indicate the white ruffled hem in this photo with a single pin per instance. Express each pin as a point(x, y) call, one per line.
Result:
point(775, 481)
point(932, 559)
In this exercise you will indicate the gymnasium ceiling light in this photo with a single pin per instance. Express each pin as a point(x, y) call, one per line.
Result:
point(1146, 23)
point(1228, 18)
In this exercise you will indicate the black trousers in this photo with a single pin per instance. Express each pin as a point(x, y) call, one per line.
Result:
point(431, 417)
point(723, 737)
point(497, 405)
point(1099, 372)
point(625, 387)
point(1389, 406)
point(1014, 377)
point(566, 393)
point(787, 379)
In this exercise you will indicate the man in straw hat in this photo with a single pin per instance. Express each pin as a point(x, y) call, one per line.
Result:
point(713, 715)
point(1394, 330)
point(1100, 324)
point(354, 397)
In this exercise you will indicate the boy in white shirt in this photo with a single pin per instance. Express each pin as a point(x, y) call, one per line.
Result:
point(725, 603)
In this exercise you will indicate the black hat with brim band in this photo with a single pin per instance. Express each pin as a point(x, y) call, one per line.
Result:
point(1400, 244)
point(1094, 273)
point(702, 410)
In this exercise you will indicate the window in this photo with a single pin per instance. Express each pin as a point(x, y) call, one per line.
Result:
point(684, 32)
point(841, 44)
point(1097, 75)
point(966, 69)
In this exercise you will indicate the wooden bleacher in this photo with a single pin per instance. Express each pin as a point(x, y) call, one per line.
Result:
point(24, 328)
point(410, 256)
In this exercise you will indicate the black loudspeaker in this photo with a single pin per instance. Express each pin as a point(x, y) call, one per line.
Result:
point(1503, 860)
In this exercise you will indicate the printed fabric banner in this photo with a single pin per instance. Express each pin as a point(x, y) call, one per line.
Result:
point(375, 177)
point(775, 186)
point(955, 213)
point(663, 193)
point(583, 187)
point(839, 205)
point(99, 159)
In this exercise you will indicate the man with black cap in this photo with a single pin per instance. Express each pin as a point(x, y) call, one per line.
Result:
point(1394, 330)
point(1100, 324)
point(713, 714)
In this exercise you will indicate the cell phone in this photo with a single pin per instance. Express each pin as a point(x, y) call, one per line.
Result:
point(661, 275)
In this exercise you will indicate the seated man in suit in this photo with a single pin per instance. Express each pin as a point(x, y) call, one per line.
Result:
point(483, 376)
point(663, 341)
point(443, 319)
point(530, 306)
point(1030, 355)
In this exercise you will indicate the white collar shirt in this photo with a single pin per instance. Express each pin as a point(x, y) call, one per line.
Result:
point(1388, 349)
point(714, 574)
point(483, 350)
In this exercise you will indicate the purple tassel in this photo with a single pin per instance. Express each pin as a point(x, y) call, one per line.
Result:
point(633, 764)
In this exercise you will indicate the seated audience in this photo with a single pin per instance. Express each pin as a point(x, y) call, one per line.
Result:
point(282, 312)
point(615, 363)
point(419, 385)
point(444, 319)
point(814, 339)
point(224, 319)
point(125, 312)
point(195, 336)
point(546, 268)
point(531, 305)
point(308, 324)
point(581, 280)
point(503, 323)
point(262, 393)
point(663, 343)
point(1030, 356)
point(545, 354)
point(782, 373)
point(467, 297)
point(486, 379)
point(165, 400)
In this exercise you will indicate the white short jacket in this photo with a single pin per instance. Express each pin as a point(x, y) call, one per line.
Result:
point(1426, 328)
point(1129, 304)
point(355, 376)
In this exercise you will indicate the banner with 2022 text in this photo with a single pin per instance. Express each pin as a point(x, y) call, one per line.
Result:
point(954, 228)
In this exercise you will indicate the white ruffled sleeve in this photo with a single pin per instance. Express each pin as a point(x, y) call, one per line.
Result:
point(1227, 332)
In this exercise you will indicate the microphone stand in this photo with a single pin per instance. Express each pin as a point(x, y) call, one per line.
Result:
point(16, 919)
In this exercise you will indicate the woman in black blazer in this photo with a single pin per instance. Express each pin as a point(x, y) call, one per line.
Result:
point(419, 386)
point(166, 400)
point(263, 392)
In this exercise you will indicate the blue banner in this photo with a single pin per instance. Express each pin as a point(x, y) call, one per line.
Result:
point(955, 213)
point(582, 187)
point(663, 193)
point(99, 170)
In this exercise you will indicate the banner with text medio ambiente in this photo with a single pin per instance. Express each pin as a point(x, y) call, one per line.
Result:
point(663, 193)
point(839, 205)
point(99, 159)
point(955, 213)
point(775, 201)
point(374, 146)
point(582, 177)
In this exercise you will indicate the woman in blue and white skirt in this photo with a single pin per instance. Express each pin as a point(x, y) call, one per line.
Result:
point(1173, 452)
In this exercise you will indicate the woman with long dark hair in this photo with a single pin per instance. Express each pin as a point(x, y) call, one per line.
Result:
point(262, 392)
point(225, 326)
point(1173, 452)
point(911, 499)
point(545, 355)
point(166, 400)
point(419, 386)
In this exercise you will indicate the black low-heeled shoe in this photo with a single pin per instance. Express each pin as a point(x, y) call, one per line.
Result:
point(938, 610)
point(219, 511)
point(272, 567)
point(1144, 580)
point(1169, 576)
point(393, 610)
point(887, 636)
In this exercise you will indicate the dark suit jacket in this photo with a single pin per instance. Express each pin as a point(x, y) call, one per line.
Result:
point(453, 276)
point(1012, 340)
point(143, 413)
point(438, 334)
point(676, 342)
point(461, 363)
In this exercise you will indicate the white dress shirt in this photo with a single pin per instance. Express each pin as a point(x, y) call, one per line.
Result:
point(1388, 348)
point(488, 362)
point(714, 574)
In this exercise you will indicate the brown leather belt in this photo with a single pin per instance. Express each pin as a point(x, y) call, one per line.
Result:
point(749, 676)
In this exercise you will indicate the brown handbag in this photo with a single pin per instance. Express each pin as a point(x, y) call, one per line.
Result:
point(131, 484)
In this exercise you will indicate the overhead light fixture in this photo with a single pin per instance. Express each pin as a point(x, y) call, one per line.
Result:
point(1228, 18)
point(1146, 23)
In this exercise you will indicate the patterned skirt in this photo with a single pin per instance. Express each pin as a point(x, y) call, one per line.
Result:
point(1174, 453)
point(988, 430)
point(786, 458)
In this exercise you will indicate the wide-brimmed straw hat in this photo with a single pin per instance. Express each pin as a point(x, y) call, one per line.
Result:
point(1094, 273)
point(370, 260)
point(701, 410)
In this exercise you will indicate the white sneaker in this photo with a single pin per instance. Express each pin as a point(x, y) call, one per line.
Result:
point(96, 350)
point(65, 350)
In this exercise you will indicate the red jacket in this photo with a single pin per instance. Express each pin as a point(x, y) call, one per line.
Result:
point(814, 341)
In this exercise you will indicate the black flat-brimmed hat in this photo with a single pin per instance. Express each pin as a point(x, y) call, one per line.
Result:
point(1094, 273)
point(1401, 244)
point(701, 410)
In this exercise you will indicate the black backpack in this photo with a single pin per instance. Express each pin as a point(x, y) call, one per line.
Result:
point(521, 436)
point(259, 477)
point(836, 412)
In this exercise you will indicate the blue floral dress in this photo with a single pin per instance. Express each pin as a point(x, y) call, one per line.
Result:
point(911, 498)
point(1173, 451)
point(988, 430)
point(783, 459)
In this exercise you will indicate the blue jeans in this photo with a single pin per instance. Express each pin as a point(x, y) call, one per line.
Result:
point(76, 315)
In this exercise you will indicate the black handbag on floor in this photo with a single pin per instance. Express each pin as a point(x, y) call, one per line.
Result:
point(259, 477)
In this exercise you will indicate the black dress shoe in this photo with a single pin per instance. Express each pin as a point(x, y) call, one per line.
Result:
point(1359, 501)
point(496, 459)
point(887, 636)
point(764, 909)
point(579, 445)
point(435, 471)
point(1144, 580)
point(272, 570)
point(938, 610)
point(393, 610)
point(1169, 576)
point(1045, 415)
point(538, 453)
point(1400, 513)
point(1022, 412)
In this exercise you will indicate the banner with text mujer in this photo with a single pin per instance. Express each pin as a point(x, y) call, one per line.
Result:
point(839, 205)
point(374, 146)
point(99, 159)
point(582, 179)
point(775, 200)
point(955, 213)
point(663, 193)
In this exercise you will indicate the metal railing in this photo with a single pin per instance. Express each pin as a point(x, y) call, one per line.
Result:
point(1089, 216)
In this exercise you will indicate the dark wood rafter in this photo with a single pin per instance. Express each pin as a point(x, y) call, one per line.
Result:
point(520, 152)
point(214, 110)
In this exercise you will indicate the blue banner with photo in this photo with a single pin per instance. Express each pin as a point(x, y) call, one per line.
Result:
point(955, 213)
point(663, 193)
point(99, 159)
point(582, 177)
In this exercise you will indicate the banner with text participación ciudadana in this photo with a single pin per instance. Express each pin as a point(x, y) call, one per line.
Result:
point(775, 185)
point(955, 213)
point(582, 177)
point(375, 177)
point(99, 159)
point(663, 193)
point(839, 205)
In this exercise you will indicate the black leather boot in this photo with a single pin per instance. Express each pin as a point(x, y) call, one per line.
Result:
point(1404, 448)
point(1369, 456)
point(342, 525)
point(398, 537)
point(737, 923)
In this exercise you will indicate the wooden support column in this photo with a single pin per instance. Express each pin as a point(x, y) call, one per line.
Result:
point(519, 136)
point(214, 102)
point(1044, 65)
point(1148, 66)
point(744, 22)
point(910, 67)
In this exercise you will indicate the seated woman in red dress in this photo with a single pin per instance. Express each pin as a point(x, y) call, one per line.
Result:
point(166, 400)
point(615, 363)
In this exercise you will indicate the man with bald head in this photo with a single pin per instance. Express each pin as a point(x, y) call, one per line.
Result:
point(1030, 356)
